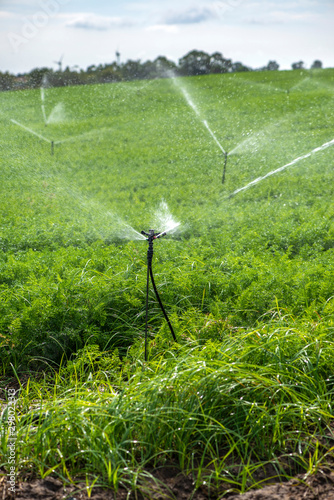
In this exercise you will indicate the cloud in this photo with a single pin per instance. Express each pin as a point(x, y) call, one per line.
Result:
point(192, 15)
point(91, 21)
point(283, 17)
point(5, 14)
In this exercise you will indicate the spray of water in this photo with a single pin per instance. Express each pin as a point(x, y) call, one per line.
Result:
point(58, 112)
point(301, 83)
point(186, 95)
point(194, 108)
point(163, 219)
point(255, 139)
point(311, 83)
point(252, 141)
point(125, 231)
point(323, 85)
point(214, 137)
point(30, 130)
point(254, 84)
point(105, 224)
point(108, 224)
point(57, 115)
point(259, 179)
point(91, 133)
point(43, 106)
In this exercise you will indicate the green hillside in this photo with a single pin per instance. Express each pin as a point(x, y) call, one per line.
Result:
point(247, 278)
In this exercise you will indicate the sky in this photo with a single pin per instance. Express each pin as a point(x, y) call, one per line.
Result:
point(38, 33)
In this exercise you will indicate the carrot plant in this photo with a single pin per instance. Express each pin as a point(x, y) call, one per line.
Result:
point(247, 280)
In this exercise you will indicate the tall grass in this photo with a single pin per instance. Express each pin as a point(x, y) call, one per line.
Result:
point(220, 410)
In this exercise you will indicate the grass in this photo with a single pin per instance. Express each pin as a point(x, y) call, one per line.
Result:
point(247, 390)
point(247, 399)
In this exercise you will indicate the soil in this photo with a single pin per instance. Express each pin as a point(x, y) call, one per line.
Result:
point(171, 484)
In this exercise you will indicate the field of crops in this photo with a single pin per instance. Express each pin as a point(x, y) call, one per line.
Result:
point(247, 278)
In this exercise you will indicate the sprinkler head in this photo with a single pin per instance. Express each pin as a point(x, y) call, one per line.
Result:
point(153, 234)
point(161, 235)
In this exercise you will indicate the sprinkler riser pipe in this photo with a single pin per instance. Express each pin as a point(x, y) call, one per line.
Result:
point(151, 236)
point(224, 170)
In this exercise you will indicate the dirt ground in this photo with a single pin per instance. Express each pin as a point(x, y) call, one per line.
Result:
point(173, 485)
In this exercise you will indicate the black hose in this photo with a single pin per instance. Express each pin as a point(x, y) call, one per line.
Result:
point(161, 305)
point(151, 237)
point(224, 171)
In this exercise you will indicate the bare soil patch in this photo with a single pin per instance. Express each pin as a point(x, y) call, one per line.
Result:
point(169, 483)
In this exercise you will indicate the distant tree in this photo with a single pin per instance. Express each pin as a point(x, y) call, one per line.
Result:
point(163, 67)
point(132, 70)
point(195, 63)
point(35, 77)
point(110, 73)
point(317, 64)
point(6, 81)
point(91, 69)
point(238, 67)
point(218, 64)
point(298, 65)
point(148, 70)
point(69, 77)
point(272, 66)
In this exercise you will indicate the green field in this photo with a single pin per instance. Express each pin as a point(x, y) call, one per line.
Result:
point(247, 279)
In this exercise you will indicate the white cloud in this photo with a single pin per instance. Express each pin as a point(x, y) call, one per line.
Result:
point(92, 21)
point(283, 17)
point(5, 14)
point(285, 30)
point(191, 15)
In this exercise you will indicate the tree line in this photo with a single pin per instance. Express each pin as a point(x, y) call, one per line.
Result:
point(193, 63)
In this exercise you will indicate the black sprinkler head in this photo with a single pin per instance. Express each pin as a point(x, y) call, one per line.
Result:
point(153, 234)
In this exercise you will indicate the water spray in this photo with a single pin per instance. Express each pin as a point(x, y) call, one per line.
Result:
point(52, 143)
point(280, 169)
point(195, 109)
point(43, 106)
point(151, 236)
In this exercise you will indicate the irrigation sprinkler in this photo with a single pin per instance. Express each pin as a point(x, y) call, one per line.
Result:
point(35, 133)
point(151, 236)
point(225, 163)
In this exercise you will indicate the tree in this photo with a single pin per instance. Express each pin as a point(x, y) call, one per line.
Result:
point(164, 67)
point(317, 64)
point(298, 65)
point(195, 63)
point(272, 66)
point(132, 70)
point(6, 81)
point(218, 64)
point(238, 67)
point(36, 76)
point(110, 73)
